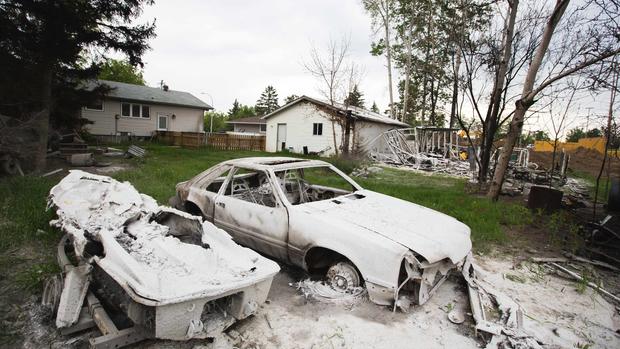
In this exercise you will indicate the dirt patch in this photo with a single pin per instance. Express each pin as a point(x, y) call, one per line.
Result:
point(582, 160)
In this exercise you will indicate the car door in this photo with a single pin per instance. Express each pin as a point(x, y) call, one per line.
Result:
point(249, 210)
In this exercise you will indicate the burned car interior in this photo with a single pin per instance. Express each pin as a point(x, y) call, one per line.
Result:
point(303, 185)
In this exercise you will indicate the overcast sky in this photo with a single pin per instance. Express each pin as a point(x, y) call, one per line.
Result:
point(234, 49)
point(222, 50)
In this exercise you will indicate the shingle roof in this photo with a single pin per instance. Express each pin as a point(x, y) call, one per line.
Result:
point(248, 120)
point(121, 90)
point(359, 113)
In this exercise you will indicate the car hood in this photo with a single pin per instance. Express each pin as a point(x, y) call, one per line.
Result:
point(433, 235)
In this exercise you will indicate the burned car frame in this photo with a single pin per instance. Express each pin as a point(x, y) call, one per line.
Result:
point(310, 214)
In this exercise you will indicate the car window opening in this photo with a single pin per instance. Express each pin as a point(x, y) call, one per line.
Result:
point(310, 184)
point(251, 186)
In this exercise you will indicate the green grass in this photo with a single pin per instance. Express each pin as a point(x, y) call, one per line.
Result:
point(447, 194)
point(590, 180)
point(23, 216)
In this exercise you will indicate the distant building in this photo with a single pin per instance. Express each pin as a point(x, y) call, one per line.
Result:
point(313, 124)
point(134, 110)
point(251, 125)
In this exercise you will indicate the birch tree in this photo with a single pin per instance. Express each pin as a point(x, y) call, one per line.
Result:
point(381, 12)
point(583, 45)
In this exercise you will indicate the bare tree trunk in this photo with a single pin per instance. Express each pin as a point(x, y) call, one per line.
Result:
point(526, 100)
point(388, 54)
point(424, 83)
point(334, 137)
point(491, 122)
point(455, 88)
point(407, 69)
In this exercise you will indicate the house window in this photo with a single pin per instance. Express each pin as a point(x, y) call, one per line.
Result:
point(263, 128)
point(126, 109)
point(135, 110)
point(317, 129)
point(146, 111)
point(97, 106)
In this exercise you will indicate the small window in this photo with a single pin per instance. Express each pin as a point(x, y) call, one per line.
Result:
point(317, 129)
point(263, 128)
point(126, 109)
point(98, 106)
point(135, 110)
point(146, 112)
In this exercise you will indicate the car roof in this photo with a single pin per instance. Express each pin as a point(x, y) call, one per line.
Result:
point(276, 163)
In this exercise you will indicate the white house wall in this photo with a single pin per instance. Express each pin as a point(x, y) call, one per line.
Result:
point(185, 119)
point(299, 120)
point(247, 128)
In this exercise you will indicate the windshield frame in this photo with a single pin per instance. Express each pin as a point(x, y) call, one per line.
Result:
point(282, 195)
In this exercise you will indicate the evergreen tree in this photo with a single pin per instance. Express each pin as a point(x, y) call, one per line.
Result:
point(355, 98)
point(290, 98)
point(374, 107)
point(267, 102)
point(235, 109)
point(42, 57)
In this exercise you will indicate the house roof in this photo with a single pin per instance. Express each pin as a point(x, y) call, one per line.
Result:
point(359, 113)
point(257, 120)
point(138, 93)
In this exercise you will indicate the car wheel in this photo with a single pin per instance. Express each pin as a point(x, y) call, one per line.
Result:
point(343, 276)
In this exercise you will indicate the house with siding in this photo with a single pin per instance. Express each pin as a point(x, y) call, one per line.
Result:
point(134, 110)
point(315, 126)
point(250, 125)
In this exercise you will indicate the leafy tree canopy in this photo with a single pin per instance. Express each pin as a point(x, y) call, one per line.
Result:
point(219, 121)
point(121, 71)
point(575, 135)
point(290, 98)
point(239, 111)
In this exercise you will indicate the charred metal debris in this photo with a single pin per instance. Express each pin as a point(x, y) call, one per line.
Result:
point(136, 270)
point(446, 151)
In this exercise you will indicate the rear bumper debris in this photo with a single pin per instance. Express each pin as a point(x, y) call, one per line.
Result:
point(143, 271)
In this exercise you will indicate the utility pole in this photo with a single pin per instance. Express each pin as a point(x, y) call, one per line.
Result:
point(588, 119)
point(210, 117)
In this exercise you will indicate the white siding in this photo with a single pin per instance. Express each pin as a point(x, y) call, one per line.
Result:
point(185, 119)
point(247, 128)
point(299, 120)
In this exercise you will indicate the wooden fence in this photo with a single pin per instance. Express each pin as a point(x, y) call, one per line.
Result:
point(226, 141)
point(184, 139)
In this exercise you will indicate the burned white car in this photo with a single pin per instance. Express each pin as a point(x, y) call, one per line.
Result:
point(310, 214)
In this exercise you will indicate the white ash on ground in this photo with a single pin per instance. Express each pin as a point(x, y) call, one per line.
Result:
point(555, 311)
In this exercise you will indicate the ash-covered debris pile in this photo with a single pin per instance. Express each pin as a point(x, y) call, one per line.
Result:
point(158, 272)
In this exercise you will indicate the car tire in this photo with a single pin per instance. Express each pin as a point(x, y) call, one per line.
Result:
point(343, 276)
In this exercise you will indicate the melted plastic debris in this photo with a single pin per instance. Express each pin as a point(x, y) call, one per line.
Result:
point(143, 256)
point(323, 292)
